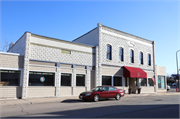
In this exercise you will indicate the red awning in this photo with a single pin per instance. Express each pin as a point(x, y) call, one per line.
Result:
point(134, 72)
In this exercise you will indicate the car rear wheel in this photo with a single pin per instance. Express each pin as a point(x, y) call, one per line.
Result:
point(118, 96)
point(96, 98)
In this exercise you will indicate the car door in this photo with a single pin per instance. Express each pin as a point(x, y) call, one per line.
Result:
point(112, 92)
point(105, 92)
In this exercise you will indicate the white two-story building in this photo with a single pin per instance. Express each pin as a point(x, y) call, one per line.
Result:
point(40, 66)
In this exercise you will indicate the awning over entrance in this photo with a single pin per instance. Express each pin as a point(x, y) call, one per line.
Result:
point(134, 72)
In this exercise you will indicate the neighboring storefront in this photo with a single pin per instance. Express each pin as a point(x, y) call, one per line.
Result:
point(39, 66)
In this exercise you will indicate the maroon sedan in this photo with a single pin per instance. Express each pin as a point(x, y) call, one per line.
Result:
point(102, 92)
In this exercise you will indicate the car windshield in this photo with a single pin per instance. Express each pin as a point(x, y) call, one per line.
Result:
point(97, 88)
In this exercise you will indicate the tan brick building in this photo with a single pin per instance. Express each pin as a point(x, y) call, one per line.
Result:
point(40, 66)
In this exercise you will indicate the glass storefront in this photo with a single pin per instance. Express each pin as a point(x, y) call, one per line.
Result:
point(161, 82)
point(10, 78)
point(41, 78)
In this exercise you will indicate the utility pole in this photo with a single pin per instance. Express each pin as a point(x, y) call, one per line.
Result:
point(178, 69)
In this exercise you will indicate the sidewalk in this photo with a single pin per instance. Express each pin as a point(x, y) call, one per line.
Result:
point(8, 102)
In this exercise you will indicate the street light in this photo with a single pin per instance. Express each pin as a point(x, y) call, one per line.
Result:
point(178, 69)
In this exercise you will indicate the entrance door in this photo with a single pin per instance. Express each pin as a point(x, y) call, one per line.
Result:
point(132, 84)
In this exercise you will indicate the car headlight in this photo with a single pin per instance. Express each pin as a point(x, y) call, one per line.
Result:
point(88, 94)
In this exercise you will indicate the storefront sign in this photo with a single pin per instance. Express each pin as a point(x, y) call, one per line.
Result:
point(42, 79)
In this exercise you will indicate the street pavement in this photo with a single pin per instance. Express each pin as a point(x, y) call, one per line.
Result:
point(155, 105)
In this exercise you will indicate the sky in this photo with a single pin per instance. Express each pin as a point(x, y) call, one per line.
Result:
point(155, 20)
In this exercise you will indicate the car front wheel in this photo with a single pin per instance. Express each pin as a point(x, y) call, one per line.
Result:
point(118, 96)
point(96, 98)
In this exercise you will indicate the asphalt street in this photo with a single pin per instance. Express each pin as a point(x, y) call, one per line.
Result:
point(159, 106)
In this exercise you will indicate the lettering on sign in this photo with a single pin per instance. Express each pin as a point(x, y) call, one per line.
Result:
point(66, 51)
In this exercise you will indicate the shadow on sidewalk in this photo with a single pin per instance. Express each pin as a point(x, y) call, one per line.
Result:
point(115, 111)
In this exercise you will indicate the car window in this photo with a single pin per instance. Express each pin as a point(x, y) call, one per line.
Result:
point(112, 89)
point(97, 88)
point(106, 88)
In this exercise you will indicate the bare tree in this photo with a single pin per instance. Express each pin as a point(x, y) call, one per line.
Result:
point(4, 45)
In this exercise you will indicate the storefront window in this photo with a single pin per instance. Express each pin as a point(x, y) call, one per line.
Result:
point(161, 82)
point(106, 80)
point(80, 80)
point(144, 82)
point(9, 78)
point(117, 81)
point(41, 79)
point(65, 79)
point(150, 82)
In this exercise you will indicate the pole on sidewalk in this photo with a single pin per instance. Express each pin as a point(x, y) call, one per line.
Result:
point(178, 70)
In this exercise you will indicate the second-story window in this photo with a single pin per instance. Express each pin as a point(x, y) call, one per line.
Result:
point(121, 54)
point(131, 56)
point(149, 59)
point(141, 57)
point(109, 51)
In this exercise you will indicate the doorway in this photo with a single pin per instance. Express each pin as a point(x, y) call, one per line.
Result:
point(133, 83)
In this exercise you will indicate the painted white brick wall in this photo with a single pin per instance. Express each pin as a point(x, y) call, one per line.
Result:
point(50, 42)
point(54, 54)
point(117, 42)
point(19, 46)
point(91, 38)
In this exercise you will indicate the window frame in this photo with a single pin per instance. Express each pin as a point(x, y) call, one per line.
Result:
point(141, 59)
point(14, 69)
point(121, 56)
point(121, 80)
point(131, 56)
point(146, 82)
point(161, 85)
point(108, 53)
point(71, 79)
point(107, 76)
point(84, 80)
point(149, 59)
point(45, 79)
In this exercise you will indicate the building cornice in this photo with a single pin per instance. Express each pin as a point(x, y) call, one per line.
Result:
point(129, 35)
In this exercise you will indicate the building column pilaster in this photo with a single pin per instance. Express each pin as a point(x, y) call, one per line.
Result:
point(87, 78)
point(57, 86)
point(73, 80)
point(26, 66)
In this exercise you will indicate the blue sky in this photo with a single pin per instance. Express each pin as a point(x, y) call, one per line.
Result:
point(156, 20)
